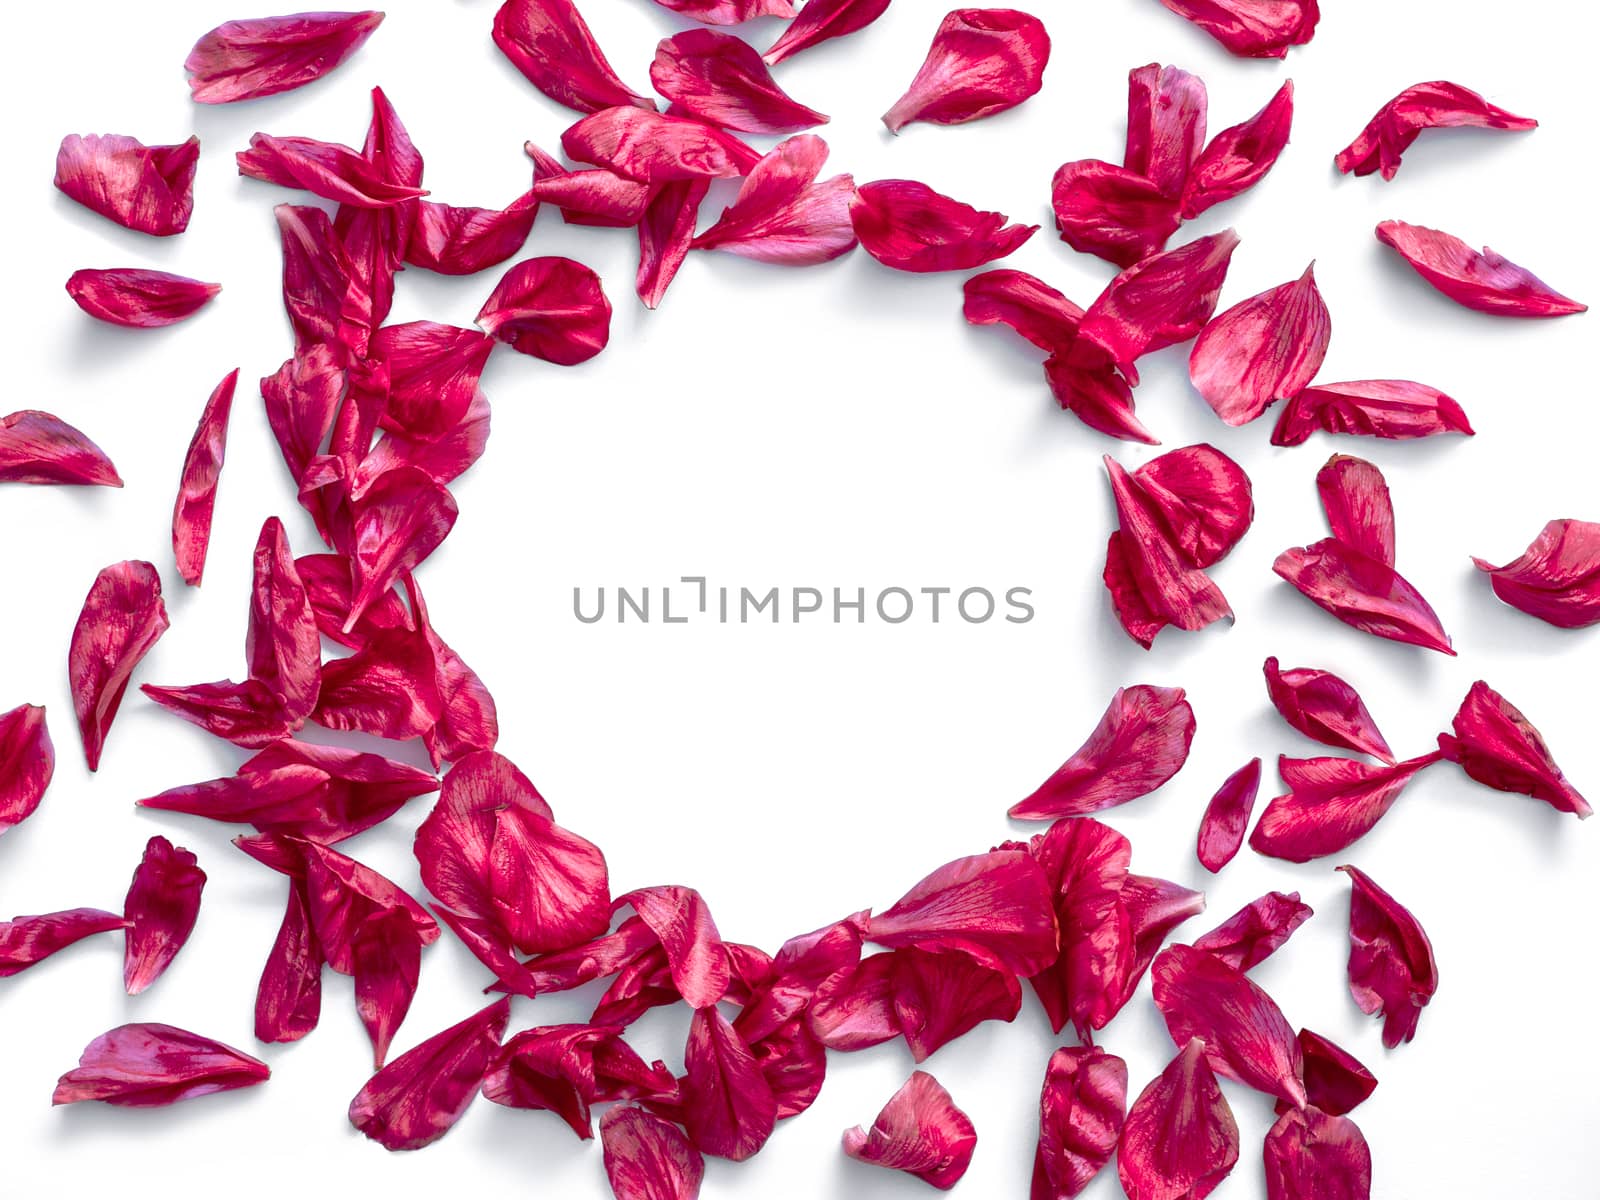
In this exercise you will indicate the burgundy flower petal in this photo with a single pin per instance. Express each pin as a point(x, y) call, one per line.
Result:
point(666, 234)
point(1499, 747)
point(1252, 28)
point(1385, 408)
point(795, 1064)
point(1363, 593)
point(1227, 817)
point(1154, 908)
point(197, 492)
point(243, 60)
point(729, 1108)
point(729, 12)
point(319, 291)
point(1243, 1032)
point(597, 197)
point(161, 908)
point(36, 447)
point(1326, 709)
point(1180, 1139)
point(920, 1131)
point(550, 43)
point(442, 459)
point(1391, 960)
point(400, 520)
point(301, 401)
point(551, 308)
point(146, 1065)
point(1480, 280)
point(416, 1099)
point(854, 1009)
point(1256, 930)
point(1028, 305)
point(1166, 125)
point(386, 962)
point(801, 966)
point(1331, 803)
point(1311, 1155)
point(1081, 1110)
point(25, 941)
point(681, 921)
point(1142, 741)
point(136, 298)
point(566, 1068)
point(942, 990)
point(434, 371)
point(1436, 105)
point(388, 688)
point(1086, 865)
point(1360, 513)
point(982, 62)
point(289, 996)
point(654, 148)
point(1237, 158)
point(463, 241)
point(325, 169)
point(910, 227)
point(647, 1158)
point(149, 189)
point(782, 214)
point(123, 617)
point(1112, 212)
point(1557, 578)
point(1336, 1082)
point(27, 763)
point(721, 80)
point(1203, 500)
point(1160, 302)
point(374, 239)
point(327, 580)
point(821, 20)
point(468, 720)
point(1261, 350)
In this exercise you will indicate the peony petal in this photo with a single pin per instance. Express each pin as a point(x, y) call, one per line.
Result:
point(386, 960)
point(681, 920)
point(1086, 865)
point(327, 580)
point(1166, 125)
point(27, 763)
point(25, 941)
point(982, 62)
point(243, 60)
point(550, 43)
point(821, 20)
point(647, 1158)
point(468, 720)
point(36, 447)
point(434, 371)
point(721, 80)
point(1499, 747)
point(1160, 302)
point(301, 401)
point(1227, 817)
point(1436, 105)
point(1557, 578)
point(729, 12)
point(442, 459)
point(123, 617)
point(666, 235)
point(149, 189)
point(654, 148)
point(1256, 930)
point(1180, 1139)
point(782, 214)
point(1385, 408)
point(1311, 1155)
point(1252, 28)
point(1331, 803)
point(566, 1068)
point(1112, 212)
point(1335, 1081)
point(1081, 1111)
point(1479, 280)
point(289, 996)
point(162, 905)
point(1238, 157)
point(1154, 908)
point(388, 688)
point(942, 990)
point(325, 169)
point(400, 520)
point(1391, 960)
point(1363, 593)
point(464, 241)
point(800, 968)
point(920, 1131)
point(551, 308)
point(854, 1009)
point(910, 227)
point(1028, 305)
point(320, 293)
point(794, 1063)
point(136, 298)
point(1326, 709)
point(1360, 513)
point(1203, 500)
point(146, 1065)
point(197, 491)
point(374, 239)
point(729, 1109)
point(1099, 396)
point(1262, 350)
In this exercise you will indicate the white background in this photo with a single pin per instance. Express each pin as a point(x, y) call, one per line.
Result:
point(837, 426)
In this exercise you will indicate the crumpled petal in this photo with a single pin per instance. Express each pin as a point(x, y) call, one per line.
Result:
point(728, 1107)
point(729, 12)
point(289, 996)
point(386, 960)
point(1142, 741)
point(1081, 1111)
point(197, 491)
point(1363, 593)
point(321, 295)
point(434, 371)
point(1436, 105)
point(388, 688)
point(1086, 865)
point(443, 459)
point(136, 298)
point(27, 940)
point(162, 905)
point(550, 43)
point(1099, 395)
point(552, 308)
point(782, 214)
point(910, 227)
point(721, 80)
point(149, 189)
point(1325, 708)
point(244, 60)
point(1237, 158)
point(566, 1068)
point(1112, 212)
point(1391, 960)
point(1331, 803)
point(666, 235)
point(324, 169)
point(982, 62)
point(1028, 305)
point(416, 1099)
point(1336, 1082)
point(400, 520)
point(1227, 817)
point(1499, 747)
point(944, 989)
point(1311, 1155)
point(651, 147)
point(794, 1063)
point(1166, 125)
point(301, 400)
point(1480, 280)
point(27, 763)
point(375, 239)
point(854, 1009)
point(1360, 513)
point(647, 1158)
point(800, 968)
point(1262, 350)
point(1162, 301)
point(681, 921)
point(1252, 28)
point(147, 1064)
point(821, 20)
point(123, 617)
point(37, 447)
point(1256, 930)
point(1385, 408)
point(920, 1131)
point(464, 241)
point(468, 720)
point(1180, 1139)
point(1557, 578)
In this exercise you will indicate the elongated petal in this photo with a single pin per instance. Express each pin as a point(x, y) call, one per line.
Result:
point(197, 491)
point(721, 80)
point(729, 1108)
point(1482, 280)
point(666, 234)
point(1557, 578)
point(1360, 513)
point(468, 720)
point(1112, 212)
point(1436, 105)
point(1384, 408)
point(320, 293)
point(1336, 1082)
point(551, 308)
point(1227, 817)
point(1099, 396)
point(782, 215)
point(982, 62)
point(464, 241)
point(647, 1158)
point(137, 298)
point(1162, 301)
point(289, 996)
point(1499, 747)
point(1166, 125)
point(27, 940)
point(325, 169)
point(550, 43)
point(243, 60)
point(920, 1131)
point(147, 1064)
point(1331, 803)
point(1081, 1111)
point(821, 20)
point(599, 197)
point(910, 227)
point(387, 957)
point(654, 148)
point(1028, 305)
point(1237, 158)
point(1086, 865)
point(301, 400)
point(36, 447)
point(27, 763)
point(149, 189)
point(1262, 350)
point(1325, 708)
point(123, 617)
point(1311, 1155)
point(162, 905)
point(681, 921)
point(1256, 930)
point(1363, 593)
point(1180, 1139)
point(1252, 28)
point(1391, 959)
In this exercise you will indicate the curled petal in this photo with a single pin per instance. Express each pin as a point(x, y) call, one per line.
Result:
point(1160, 302)
point(1238, 157)
point(1166, 125)
point(1086, 865)
point(598, 197)
point(301, 401)
point(1252, 28)
point(1363, 593)
point(464, 241)
point(942, 990)
point(1336, 1082)
point(920, 1131)
point(681, 921)
point(1557, 578)
point(1180, 1139)
point(146, 1065)
point(388, 688)
point(1203, 500)
point(25, 941)
point(162, 905)
point(566, 1068)
point(982, 62)
point(325, 169)
point(729, 1108)
point(666, 235)
point(320, 292)
point(654, 148)
point(1356, 501)
point(1112, 212)
point(551, 308)
point(1384, 408)
point(1311, 1155)
point(442, 459)
point(854, 1009)
point(149, 189)
point(1227, 817)
point(1436, 105)
point(910, 227)
point(243, 60)
point(1098, 395)
point(1262, 350)
point(1081, 1111)
point(1391, 960)
point(782, 214)
point(136, 298)
point(27, 763)
point(647, 1158)
point(36, 447)
point(801, 966)
point(550, 43)
point(1484, 280)
point(1028, 305)
point(1256, 930)
point(400, 520)
point(197, 492)
point(729, 12)
point(1499, 747)
point(289, 996)
point(468, 720)
point(1331, 803)
point(1325, 708)
point(434, 371)
point(721, 80)
point(123, 617)
point(821, 20)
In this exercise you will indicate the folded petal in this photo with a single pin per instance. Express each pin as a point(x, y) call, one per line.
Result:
point(1203, 499)
point(1028, 305)
point(1325, 708)
point(666, 234)
point(123, 617)
point(325, 169)
point(1237, 158)
point(146, 1065)
point(920, 1131)
point(1098, 395)
point(197, 490)
point(1479, 280)
point(550, 43)
point(149, 189)
point(1256, 930)
point(982, 62)
point(1331, 803)
point(1385, 408)
point(910, 227)
point(434, 371)
point(320, 292)
point(1180, 1139)
point(289, 996)
point(651, 147)
point(729, 1109)
point(1557, 578)
point(1311, 1155)
point(801, 966)
point(1336, 1082)
point(1166, 125)
point(1160, 302)
point(1436, 105)
point(942, 990)
point(598, 197)
point(464, 241)
point(782, 214)
point(681, 920)
point(468, 720)
point(551, 308)
point(729, 12)
point(301, 401)
point(1252, 28)
point(1086, 865)
point(1154, 908)
point(647, 1158)
point(136, 298)
point(1499, 747)
point(36, 447)
point(1081, 1111)
point(243, 60)
point(854, 1009)
point(794, 1063)
point(566, 1068)
point(1112, 212)
point(1261, 350)
point(386, 961)
point(721, 80)
point(1227, 817)
point(27, 763)
point(25, 941)
point(1363, 593)
point(1391, 960)
point(162, 905)
point(388, 688)
point(821, 20)
point(442, 459)
point(400, 520)
point(1360, 513)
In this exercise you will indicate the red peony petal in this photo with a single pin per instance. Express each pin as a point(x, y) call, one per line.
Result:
point(136, 298)
point(729, 1109)
point(161, 908)
point(681, 920)
point(1112, 212)
point(920, 1131)
point(1262, 350)
point(319, 292)
point(1479, 280)
point(1160, 302)
point(415, 1100)
point(123, 617)
point(1326, 709)
point(27, 763)
point(1437, 105)
point(1363, 593)
point(654, 148)
point(1180, 1139)
point(910, 227)
point(666, 234)
point(25, 941)
point(1086, 865)
point(375, 239)
point(729, 12)
point(802, 966)
point(1227, 817)
point(1166, 125)
point(598, 197)
point(325, 169)
point(942, 990)
point(982, 62)
point(854, 1009)
point(1237, 158)
point(1335, 1081)
point(1081, 1110)
point(1142, 741)
point(1203, 499)
point(1099, 396)
point(442, 459)
point(1252, 28)
point(149, 189)
point(36, 447)
point(1557, 578)
point(1028, 305)
point(468, 720)
point(794, 1063)
point(1311, 1155)
point(721, 80)
point(1256, 930)
point(1360, 513)
point(1154, 907)
point(147, 1065)
point(1385, 408)
point(821, 20)
point(289, 996)
point(243, 60)
point(400, 520)
point(1243, 1032)
point(434, 371)
point(386, 961)
point(388, 688)
point(551, 308)
point(647, 1158)
point(464, 241)
point(197, 492)
point(1499, 747)
point(550, 43)
point(301, 401)
point(327, 580)
point(566, 1068)
point(1391, 960)
point(1331, 803)
point(782, 214)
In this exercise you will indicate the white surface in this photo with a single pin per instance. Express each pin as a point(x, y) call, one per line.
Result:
point(830, 427)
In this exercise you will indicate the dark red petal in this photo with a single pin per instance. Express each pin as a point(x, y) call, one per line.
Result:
point(1111, 212)
point(666, 234)
point(1180, 1139)
point(1086, 866)
point(25, 941)
point(647, 1158)
point(551, 308)
point(1363, 593)
point(327, 580)
point(1238, 157)
point(1166, 125)
point(325, 169)
point(681, 921)
point(1262, 350)
point(415, 1100)
point(1256, 930)
point(910, 227)
point(1336, 1082)
point(1154, 908)
point(1227, 817)
point(566, 1068)
point(1203, 499)
point(197, 490)
point(146, 1065)
point(443, 459)
point(149, 189)
point(468, 719)
point(982, 62)
point(1160, 302)
point(162, 905)
point(27, 763)
point(729, 12)
point(1099, 396)
point(301, 401)
point(434, 371)
point(794, 1063)
point(123, 617)
point(1331, 803)
point(289, 996)
point(1360, 513)
point(729, 1108)
point(598, 197)
point(1385, 408)
point(1436, 105)
point(654, 148)
point(920, 1131)
point(1311, 1155)
point(1557, 578)
point(320, 293)
point(1325, 708)
point(1081, 1110)
point(388, 688)
point(400, 520)
point(942, 990)
point(36, 447)
point(721, 80)
point(1028, 305)
point(136, 298)
point(463, 241)
point(782, 214)
point(801, 966)
point(1142, 741)
point(1480, 280)
point(1251, 28)
point(550, 43)
point(1243, 1032)
point(387, 957)
point(1499, 747)
point(821, 20)
point(1391, 960)
point(242, 60)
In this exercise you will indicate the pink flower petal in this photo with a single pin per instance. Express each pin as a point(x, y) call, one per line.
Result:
point(1331, 803)
point(1237, 158)
point(1437, 105)
point(27, 763)
point(386, 962)
point(323, 301)
point(25, 941)
point(197, 492)
point(647, 1158)
point(1385, 408)
point(1479, 280)
point(1112, 212)
point(1311, 1155)
point(1081, 1111)
point(729, 1108)
point(1557, 578)
point(794, 1063)
point(1499, 747)
point(666, 234)
point(721, 80)
point(1166, 125)
point(800, 968)
point(147, 1065)
point(1363, 593)
point(1360, 513)
point(729, 12)
point(1252, 28)
point(550, 43)
point(681, 920)
point(1203, 499)
point(123, 617)
point(1028, 305)
point(1160, 302)
point(325, 169)
point(1325, 708)
point(289, 996)
point(1262, 350)
point(551, 308)
point(162, 905)
point(468, 720)
point(464, 241)
point(920, 1131)
point(136, 298)
point(301, 401)
point(1256, 930)
point(1227, 817)
point(821, 20)
point(1391, 960)
point(1099, 396)
point(434, 371)
point(910, 227)
point(654, 148)
point(982, 62)
point(36, 447)
point(566, 1068)
point(149, 189)
point(1154, 908)
point(243, 60)
point(598, 197)
point(443, 459)
point(388, 688)
point(782, 214)
point(400, 520)
point(854, 1009)
point(1180, 1139)
point(942, 990)
point(1336, 1082)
